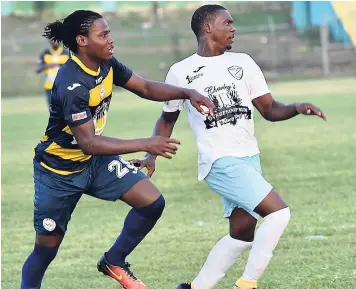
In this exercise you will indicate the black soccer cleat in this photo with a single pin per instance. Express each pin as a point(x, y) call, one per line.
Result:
point(184, 286)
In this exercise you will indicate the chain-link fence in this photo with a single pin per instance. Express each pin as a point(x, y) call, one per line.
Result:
point(275, 45)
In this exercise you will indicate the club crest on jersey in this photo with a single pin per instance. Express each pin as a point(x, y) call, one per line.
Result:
point(236, 72)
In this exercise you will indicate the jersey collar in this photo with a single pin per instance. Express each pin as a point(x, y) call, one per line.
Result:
point(82, 66)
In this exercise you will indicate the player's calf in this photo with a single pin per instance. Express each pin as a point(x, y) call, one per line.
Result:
point(220, 259)
point(138, 223)
point(266, 239)
point(36, 265)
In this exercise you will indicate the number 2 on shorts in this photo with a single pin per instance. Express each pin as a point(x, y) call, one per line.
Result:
point(121, 172)
point(117, 165)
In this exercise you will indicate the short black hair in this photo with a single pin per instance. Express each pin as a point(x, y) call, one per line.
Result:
point(202, 15)
point(67, 29)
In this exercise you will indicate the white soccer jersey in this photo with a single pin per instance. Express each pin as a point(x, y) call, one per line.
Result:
point(231, 81)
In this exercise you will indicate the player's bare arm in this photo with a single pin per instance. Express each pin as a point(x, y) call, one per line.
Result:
point(158, 91)
point(92, 144)
point(273, 110)
point(164, 128)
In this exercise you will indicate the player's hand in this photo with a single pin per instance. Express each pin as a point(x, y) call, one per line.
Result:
point(309, 109)
point(199, 101)
point(161, 146)
point(149, 162)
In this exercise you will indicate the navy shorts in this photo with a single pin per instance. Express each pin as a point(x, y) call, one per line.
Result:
point(56, 196)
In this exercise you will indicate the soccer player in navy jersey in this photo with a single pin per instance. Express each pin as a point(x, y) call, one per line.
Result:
point(74, 158)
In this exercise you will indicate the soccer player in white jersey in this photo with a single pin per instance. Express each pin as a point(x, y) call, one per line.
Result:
point(228, 152)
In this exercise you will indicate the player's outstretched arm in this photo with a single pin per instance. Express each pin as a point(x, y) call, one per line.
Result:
point(273, 110)
point(92, 144)
point(164, 127)
point(159, 91)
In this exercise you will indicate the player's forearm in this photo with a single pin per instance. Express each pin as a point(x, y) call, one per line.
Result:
point(102, 145)
point(158, 91)
point(281, 111)
point(162, 128)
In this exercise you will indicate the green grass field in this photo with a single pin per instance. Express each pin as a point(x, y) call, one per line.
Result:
point(310, 162)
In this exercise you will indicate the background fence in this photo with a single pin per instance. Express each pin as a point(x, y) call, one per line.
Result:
point(149, 38)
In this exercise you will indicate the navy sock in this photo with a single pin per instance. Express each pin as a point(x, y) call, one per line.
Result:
point(138, 223)
point(36, 265)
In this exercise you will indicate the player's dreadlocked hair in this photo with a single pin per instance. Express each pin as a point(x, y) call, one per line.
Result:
point(67, 29)
point(202, 15)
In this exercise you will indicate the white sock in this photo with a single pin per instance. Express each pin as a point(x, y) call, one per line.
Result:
point(220, 259)
point(266, 239)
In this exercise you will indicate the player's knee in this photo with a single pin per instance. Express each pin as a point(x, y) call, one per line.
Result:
point(46, 254)
point(244, 232)
point(285, 215)
point(49, 241)
point(246, 236)
point(154, 210)
point(282, 217)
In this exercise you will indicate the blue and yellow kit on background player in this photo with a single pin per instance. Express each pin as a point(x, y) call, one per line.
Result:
point(78, 95)
point(57, 58)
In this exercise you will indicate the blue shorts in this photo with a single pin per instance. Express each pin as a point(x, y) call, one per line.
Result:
point(240, 183)
point(56, 196)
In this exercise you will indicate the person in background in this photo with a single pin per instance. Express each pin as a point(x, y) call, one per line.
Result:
point(51, 59)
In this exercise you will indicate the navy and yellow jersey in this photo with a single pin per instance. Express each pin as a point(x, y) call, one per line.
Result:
point(78, 95)
point(51, 56)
